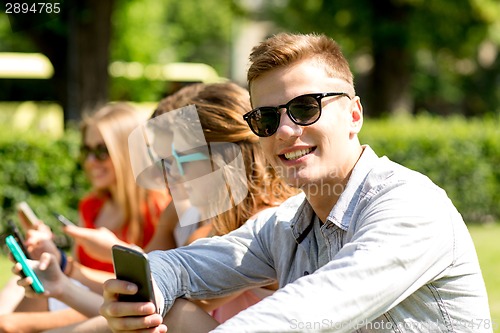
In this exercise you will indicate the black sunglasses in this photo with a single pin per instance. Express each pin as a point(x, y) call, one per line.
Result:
point(303, 110)
point(100, 152)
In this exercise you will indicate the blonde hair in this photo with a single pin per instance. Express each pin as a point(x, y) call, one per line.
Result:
point(220, 109)
point(115, 122)
point(285, 49)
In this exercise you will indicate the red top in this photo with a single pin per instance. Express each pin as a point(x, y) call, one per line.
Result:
point(89, 209)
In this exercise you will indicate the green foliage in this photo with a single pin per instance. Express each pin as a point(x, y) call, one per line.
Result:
point(442, 43)
point(13, 41)
point(165, 31)
point(461, 156)
point(43, 172)
point(139, 90)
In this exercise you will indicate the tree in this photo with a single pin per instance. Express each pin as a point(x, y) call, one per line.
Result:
point(420, 52)
point(165, 31)
point(87, 35)
point(76, 40)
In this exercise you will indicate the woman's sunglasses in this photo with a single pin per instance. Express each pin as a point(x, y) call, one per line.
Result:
point(181, 159)
point(303, 110)
point(100, 152)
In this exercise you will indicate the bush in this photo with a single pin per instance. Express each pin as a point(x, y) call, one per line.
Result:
point(42, 171)
point(460, 155)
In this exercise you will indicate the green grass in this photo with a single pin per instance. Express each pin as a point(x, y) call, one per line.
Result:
point(486, 238)
point(5, 267)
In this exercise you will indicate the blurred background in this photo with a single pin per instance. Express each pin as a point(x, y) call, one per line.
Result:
point(427, 72)
point(408, 56)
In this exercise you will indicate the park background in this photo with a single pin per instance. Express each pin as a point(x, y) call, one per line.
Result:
point(427, 72)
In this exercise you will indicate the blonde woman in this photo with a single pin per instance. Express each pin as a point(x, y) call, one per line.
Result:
point(116, 202)
point(115, 210)
point(220, 109)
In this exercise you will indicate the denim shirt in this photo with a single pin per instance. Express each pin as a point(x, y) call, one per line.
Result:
point(400, 259)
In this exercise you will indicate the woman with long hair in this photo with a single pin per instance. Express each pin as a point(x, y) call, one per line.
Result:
point(219, 109)
point(116, 210)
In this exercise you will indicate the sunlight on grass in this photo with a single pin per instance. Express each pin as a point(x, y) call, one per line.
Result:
point(486, 239)
point(5, 267)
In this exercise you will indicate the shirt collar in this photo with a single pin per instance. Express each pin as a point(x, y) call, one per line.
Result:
point(342, 212)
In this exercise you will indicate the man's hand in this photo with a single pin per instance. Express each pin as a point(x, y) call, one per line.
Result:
point(129, 316)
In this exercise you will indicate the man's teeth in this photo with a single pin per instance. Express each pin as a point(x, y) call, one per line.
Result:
point(297, 154)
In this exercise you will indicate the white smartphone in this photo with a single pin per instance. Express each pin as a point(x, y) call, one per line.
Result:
point(28, 215)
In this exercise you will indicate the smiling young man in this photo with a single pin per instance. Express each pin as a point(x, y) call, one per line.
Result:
point(317, 158)
point(369, 245)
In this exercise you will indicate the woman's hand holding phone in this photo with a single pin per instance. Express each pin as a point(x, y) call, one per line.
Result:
point(48, 272)
point(27, 217)
point(36, 231)
point(39, 241)
point(23, 266)
point(58, 285)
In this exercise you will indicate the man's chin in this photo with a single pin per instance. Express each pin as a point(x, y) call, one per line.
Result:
point(297, 182)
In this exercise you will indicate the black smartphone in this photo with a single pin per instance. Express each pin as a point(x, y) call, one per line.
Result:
point(63, 219)
point(133, 266)
point(18, 236)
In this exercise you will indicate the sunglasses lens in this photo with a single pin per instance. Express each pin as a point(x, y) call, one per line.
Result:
point(100, 152)
point(264, 121)
point(304, 110)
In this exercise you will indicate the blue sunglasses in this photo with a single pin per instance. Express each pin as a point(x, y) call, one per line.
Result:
point(181, 159)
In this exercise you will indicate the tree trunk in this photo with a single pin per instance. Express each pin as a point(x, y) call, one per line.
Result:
point(390, 91)
point(76, 40)
point(390, 79)
point(88, 57)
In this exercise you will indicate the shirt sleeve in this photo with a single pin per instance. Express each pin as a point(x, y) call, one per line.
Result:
point(213, 267)
point(400, 241)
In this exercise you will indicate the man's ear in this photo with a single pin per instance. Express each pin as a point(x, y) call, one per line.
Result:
point(356, 115)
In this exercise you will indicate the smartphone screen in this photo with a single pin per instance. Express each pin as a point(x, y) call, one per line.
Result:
point(64, 220)
point(19, 256)
point(133, 266)
point(28, 215)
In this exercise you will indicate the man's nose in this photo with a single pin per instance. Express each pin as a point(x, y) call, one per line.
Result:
point(287, 128)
